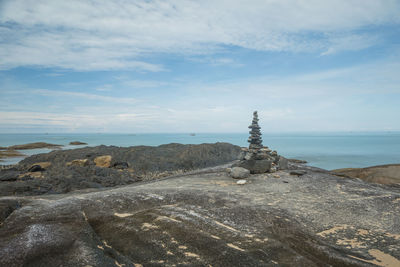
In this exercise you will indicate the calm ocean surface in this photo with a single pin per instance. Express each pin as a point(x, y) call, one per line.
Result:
point(324, 150)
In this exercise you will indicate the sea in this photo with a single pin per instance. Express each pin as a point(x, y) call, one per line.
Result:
point(324, 150)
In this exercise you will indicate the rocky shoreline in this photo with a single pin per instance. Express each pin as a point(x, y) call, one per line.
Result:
point(203, 218)
point(14, 151)
point(167, 206)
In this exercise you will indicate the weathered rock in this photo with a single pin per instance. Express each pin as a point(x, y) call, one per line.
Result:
point(256, 166)
point(120, 165)
point(265, 149)
point(383, 174)
point(78, 162)
point(283, 163)
point(31, 175)
point(77, 143)
point(35, 168)
point(298, 172)
point(239, 173)
point(262, 155)
point(7, 206)
point(103, 161)
point(248, 156)
point(206, 219)
point(9, 175)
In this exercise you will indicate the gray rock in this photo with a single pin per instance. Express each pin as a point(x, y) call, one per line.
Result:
point(262, 155)
point(7, 206)
point(239, 173)
point(9, 175)
point(241, 182)
point(283, 163)
point(248, 156)
point(256, 166)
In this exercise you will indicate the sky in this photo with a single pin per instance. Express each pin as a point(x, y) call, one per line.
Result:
point(119, 66)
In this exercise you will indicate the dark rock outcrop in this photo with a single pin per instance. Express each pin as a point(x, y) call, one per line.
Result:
point(207, 219)
point(62, 171)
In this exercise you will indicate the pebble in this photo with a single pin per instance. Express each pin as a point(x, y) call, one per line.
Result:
point(241, 182)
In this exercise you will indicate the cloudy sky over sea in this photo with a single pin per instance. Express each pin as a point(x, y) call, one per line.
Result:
point(199, 66)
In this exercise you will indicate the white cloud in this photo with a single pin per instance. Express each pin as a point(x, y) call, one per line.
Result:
point(349, 43)
point(90, 35)
point(120, 100)
point(144, 83)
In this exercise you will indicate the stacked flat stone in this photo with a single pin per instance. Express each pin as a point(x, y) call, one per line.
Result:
point(258, 158)
point(255, 139)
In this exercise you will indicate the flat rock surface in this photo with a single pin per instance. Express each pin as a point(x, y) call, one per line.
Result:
point(206, 219)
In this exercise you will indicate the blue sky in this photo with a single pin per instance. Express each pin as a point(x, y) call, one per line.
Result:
point(199, 66)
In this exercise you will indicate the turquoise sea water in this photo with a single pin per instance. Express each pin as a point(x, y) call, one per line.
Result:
point(324, 150)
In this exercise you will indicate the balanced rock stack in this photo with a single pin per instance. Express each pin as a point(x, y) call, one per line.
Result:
point(259, 158)
point(255, 139)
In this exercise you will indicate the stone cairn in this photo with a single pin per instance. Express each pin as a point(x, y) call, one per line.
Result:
point(258, 158)
point(255, 134)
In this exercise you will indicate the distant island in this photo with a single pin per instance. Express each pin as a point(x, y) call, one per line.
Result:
point(77, 143)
